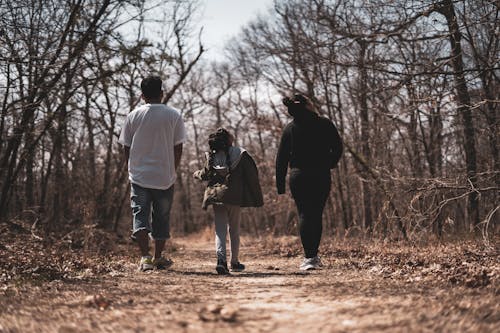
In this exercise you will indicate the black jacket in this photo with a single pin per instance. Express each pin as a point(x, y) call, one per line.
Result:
point(308, 143)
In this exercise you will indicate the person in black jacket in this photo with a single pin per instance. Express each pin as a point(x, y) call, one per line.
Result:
point(310, 145)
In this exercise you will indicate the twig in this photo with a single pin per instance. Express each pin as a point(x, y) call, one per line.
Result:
point(33, 227)
point(486, 224)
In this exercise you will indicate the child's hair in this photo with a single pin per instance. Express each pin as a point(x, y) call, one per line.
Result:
point(218, 141)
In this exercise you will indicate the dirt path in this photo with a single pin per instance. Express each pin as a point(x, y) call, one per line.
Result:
point(271, 296)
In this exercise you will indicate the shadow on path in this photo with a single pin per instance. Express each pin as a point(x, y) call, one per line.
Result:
point(243, 275)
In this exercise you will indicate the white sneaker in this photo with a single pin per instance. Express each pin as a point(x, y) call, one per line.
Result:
point(146, 264)
point(308, 264)
point(311, 263)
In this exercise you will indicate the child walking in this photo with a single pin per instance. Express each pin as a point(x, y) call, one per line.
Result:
point(233, 182)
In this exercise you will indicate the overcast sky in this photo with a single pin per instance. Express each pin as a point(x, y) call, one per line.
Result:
point(223, 19)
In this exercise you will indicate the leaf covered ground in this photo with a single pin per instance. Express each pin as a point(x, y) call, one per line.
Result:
point(82, 283)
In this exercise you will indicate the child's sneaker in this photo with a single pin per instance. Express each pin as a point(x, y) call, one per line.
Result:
point(162, 263)
point(237, 267)
point(221, 267)
point(146, 264)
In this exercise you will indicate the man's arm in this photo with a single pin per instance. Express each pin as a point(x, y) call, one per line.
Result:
point(126, 151)
point(177, 155)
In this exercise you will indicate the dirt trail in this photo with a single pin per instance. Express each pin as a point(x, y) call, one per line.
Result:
point(270, 296)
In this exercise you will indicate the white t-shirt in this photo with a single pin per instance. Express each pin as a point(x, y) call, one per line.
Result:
point(151, 131)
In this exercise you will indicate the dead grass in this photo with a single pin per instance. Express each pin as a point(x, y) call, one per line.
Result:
point(67, 285)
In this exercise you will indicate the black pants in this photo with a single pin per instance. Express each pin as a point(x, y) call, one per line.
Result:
point(310, 189)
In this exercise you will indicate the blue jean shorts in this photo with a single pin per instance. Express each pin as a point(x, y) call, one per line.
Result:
point(151, 210)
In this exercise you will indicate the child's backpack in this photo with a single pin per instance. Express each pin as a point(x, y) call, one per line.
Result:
point(218, 175)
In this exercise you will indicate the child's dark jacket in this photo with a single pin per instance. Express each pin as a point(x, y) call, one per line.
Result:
point(243, 182)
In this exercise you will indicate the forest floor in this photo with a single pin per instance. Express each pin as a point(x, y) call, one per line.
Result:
point(393, 287)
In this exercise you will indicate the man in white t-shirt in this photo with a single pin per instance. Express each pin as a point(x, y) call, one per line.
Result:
point(152, 136)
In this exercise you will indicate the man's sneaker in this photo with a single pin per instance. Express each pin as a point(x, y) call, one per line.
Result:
point(221, 267)
point(162, 263)
point(146, 264)
point(308, 264)
point(237, 267)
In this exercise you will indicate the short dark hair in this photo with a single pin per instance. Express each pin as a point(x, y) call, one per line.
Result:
point(219, 140)
point(151, 87)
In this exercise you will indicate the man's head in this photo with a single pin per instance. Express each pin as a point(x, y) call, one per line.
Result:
point(151, 88)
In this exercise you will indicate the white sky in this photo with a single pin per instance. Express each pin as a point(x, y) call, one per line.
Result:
point(223, 19)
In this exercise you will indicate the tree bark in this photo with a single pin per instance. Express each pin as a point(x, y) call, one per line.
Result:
point(447, 9)
point(365, 131)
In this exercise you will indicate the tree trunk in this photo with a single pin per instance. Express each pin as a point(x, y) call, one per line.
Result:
point(464, 108)
point(10, 161)
point(365, 132)
point(347, 213)
point(493, 124)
